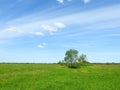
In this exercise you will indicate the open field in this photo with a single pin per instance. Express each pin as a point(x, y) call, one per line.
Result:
point(56, 77)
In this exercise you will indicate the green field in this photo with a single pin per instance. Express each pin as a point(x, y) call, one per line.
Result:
point(56, 77)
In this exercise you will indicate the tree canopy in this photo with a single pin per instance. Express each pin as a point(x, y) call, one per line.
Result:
point(71, 57)
point(82, 58)
point(72, 60)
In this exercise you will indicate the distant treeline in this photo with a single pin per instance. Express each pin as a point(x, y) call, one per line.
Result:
point(55, 63)
point(106, 63)
point(24, 63)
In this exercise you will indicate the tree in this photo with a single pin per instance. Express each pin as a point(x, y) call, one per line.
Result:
point(82, 58)
point(71, 58)
point(61, 62)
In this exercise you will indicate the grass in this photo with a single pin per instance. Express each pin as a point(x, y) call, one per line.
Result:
point(56, 77)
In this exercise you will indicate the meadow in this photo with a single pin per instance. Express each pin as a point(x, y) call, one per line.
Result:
point(56, 77)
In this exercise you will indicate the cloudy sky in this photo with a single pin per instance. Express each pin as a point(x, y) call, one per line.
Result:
point(42, 30)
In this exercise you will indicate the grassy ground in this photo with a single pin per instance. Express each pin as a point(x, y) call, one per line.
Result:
point(56, 77)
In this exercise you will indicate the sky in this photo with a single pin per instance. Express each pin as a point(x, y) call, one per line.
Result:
point(41, 31)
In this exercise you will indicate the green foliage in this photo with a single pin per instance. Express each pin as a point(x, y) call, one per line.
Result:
point(71, 57)
point(75, 65)
point(56, 77)
point(61, 62)
point(82, 59)
point(72, 60)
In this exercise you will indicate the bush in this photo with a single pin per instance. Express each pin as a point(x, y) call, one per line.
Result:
point(75, 65)
point(61, 63)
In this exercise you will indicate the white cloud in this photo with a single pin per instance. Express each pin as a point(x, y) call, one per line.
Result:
point(42, 45)
point(92, 16)
point(35, 28)
point(61, 1)
point(53, 28)
point(49, 28)
point(59, 25)
point(102, 18)
point(38, 33)
point(10, 32)
point(12, 29)
point(86, 1)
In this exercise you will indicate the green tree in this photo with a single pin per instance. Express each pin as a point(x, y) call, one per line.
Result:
point(61, 62)
point(82, 58)
point(71, 58)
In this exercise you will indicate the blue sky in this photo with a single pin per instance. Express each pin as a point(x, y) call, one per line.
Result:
point(42, 30)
